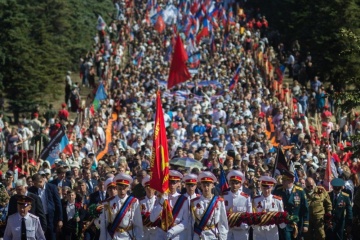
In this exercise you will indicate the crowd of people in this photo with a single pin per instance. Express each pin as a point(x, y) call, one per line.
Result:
point(235, 116)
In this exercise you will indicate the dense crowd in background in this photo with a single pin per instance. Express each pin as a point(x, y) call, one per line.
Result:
point(234, 127)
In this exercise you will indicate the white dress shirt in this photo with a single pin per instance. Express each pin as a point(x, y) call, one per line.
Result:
point(42, 195)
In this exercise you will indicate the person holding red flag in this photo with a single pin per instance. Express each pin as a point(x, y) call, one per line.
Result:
point(179, 205)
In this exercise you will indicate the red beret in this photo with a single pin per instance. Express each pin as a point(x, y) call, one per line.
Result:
point(324, 124)
point(36, 114)
point(63, 105)
point(294, 100)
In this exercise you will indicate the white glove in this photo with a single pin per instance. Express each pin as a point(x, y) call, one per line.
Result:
point(162, 199)
point(282, 225)
point(169, 235)
point(244, 226)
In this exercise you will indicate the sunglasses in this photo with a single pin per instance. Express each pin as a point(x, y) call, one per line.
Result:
point(173, 182)
point(309, 186)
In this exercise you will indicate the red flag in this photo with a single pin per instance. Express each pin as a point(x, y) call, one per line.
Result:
point(178, 70)
point(160, 25)
point(159, 163)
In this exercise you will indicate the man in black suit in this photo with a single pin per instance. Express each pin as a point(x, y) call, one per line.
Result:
point(100, 195)
point(61, 180)
point(52, 205)
point(90, 183)
point(36, 204)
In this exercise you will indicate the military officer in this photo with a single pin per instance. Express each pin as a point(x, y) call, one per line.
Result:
point(147, 205)
point(319, 209)
point(267, 202)
point(190, 181)
point(237, 201)
point(342, 211)
point(295, 203)
point(180, 210)
point(121, 217)
point(23, 225)
point(209, 211)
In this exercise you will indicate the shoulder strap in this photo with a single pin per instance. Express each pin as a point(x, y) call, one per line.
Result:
point(199, 227)
point(177, 207)
point(117, 220)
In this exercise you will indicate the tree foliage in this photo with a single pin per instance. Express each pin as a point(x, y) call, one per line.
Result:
point(318, 27)
point(39, 41)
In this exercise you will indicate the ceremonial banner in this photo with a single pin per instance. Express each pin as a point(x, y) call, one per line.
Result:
point(159, 164)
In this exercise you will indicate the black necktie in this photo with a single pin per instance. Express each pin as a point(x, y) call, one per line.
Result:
point(287, 194)
point(23, 229)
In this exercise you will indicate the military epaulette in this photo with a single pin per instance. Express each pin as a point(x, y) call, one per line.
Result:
point(194, 199)
point(345, 194)
point(198, 195)
point(33, 216)
point(221, 199)
point(257, 196)
point(277, 197)
point(298, 188)
point(278, 187)
point(244, 194)
point(107, 200)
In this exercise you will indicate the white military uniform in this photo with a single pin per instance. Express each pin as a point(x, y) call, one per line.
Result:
point(271, 203)
point(33, 227)
point(147, 206)
point(217, 225)
point(190, 178)
point(131, 226)
point(237, 202)
point(181, 222)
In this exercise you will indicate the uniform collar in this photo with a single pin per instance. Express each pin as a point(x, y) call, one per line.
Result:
point(26, 216)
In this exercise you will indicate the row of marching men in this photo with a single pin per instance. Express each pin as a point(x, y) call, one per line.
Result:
point(194, 216)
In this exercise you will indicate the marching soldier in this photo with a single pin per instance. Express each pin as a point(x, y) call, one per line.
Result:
point(319, 210)
point(190, 181)
point(180, 210)
point(147, 205)
point(237, 201)
point(295, 204)
point(121, 217)
point(23, 225)
point(209, 211)
point(267, 202)
point(342, 211)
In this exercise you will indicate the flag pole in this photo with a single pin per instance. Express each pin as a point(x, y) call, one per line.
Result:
point(276, 160)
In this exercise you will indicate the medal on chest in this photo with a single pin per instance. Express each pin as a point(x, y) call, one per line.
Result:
point(259, 205)
point(297, 199)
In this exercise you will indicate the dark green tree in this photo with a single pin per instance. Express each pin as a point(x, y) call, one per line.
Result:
point(39, 41)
